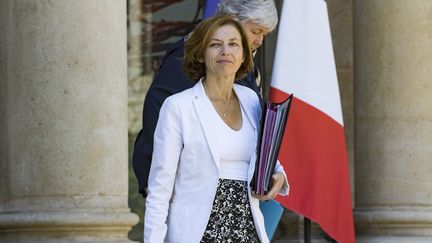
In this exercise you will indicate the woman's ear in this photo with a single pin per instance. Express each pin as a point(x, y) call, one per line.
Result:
point(200, 59)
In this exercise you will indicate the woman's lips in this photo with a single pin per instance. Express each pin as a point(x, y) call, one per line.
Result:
point(224, 61)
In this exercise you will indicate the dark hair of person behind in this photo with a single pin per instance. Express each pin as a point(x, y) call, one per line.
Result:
point(196, 45)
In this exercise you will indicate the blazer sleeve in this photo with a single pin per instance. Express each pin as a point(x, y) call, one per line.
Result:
point(168, 144)
point(285, 188)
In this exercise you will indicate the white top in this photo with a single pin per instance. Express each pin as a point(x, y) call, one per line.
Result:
point(235, 147)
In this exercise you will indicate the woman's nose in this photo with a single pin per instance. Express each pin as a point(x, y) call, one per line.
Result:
point(225, 50)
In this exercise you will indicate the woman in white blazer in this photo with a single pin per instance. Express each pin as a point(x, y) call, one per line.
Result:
point(205, 147)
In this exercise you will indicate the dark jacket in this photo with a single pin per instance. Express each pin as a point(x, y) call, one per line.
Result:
point(170, 79)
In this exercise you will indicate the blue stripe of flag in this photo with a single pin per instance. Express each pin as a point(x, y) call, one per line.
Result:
point(210, 7)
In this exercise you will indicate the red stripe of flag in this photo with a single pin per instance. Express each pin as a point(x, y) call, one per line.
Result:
point(316, 169)
point(313, 150)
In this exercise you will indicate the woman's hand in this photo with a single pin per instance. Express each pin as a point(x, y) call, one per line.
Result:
point(278, 180)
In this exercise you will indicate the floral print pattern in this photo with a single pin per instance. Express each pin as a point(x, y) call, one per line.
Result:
point(231, 217)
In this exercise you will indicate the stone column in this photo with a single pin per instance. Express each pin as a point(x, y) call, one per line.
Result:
point(393, 119)
point(63, 122)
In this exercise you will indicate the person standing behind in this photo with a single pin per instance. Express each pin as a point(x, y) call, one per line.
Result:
point(206, 147)
point(258, 18)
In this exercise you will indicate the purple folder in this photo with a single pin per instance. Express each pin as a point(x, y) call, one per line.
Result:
point(273, 123)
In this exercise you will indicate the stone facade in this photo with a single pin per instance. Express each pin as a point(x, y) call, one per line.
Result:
point(393, 117)
point(63, 133)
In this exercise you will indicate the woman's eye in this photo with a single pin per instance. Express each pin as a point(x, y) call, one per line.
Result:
point(214, 44)
point(234, 44)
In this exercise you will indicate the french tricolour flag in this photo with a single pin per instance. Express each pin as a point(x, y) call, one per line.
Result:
point(313, 151)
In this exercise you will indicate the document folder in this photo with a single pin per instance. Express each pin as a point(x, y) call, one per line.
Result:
point(273, 122)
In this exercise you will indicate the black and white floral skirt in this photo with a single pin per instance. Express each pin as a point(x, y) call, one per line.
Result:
point(231, 217)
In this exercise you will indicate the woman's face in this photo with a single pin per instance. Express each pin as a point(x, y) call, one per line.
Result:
point(224, 53)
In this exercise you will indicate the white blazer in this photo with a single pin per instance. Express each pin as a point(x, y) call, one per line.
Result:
point(185, 168)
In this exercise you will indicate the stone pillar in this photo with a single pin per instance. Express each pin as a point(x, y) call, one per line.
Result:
point(393, 120)
point(63, 122)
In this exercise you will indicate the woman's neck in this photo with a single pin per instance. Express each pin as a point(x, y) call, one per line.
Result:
point(219, 88)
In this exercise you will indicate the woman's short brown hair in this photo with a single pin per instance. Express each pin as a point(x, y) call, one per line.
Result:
point(199, 39)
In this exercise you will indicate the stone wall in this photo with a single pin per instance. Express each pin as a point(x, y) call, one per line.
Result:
point(63, 79)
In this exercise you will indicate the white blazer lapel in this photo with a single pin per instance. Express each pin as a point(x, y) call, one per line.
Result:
point(247, 105)
point(253, 115)
point(203, 112)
